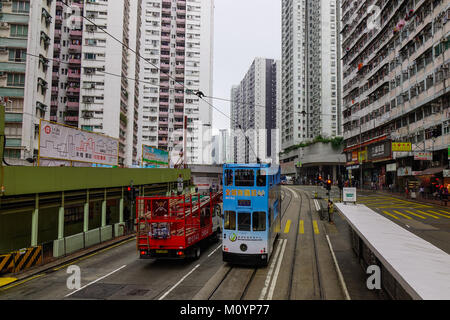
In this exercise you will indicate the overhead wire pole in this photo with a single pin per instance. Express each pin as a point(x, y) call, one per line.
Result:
point(196, 92)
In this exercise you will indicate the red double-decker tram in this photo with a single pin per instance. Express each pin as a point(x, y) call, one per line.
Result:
point(174, 226)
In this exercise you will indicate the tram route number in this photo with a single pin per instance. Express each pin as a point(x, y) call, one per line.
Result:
point(234, 309)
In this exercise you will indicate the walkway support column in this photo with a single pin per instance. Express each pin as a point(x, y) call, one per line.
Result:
point(61, 218)
point(86, 213)
point(121, 208)
point(104, 211)
point(35, 222)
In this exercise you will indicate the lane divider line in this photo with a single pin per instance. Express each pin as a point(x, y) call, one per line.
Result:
point(269, 274)
point(287, 227)
point(316, 227)
point(277, 271)
point(178, 283)
point(20, 282)
point(209, 255)
point(338, 270)
point(68, 295)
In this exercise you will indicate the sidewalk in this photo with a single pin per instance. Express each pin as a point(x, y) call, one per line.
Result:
point(11, 278)
point(402, 196)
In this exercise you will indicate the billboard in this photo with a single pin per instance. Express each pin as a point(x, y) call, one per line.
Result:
point(155, 156)
point(60, 142)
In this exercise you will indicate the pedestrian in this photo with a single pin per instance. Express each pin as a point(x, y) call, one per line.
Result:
point(421, 191)
point(406, 192)
point(330, 211)
point(445, 195)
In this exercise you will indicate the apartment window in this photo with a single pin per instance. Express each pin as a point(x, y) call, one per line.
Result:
point(20, 6)
point(17, 55)
point(18, 30)
point(16, 80)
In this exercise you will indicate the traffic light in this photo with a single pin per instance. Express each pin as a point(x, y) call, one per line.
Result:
point(131, 193)
point(328, 186)
point(319, 179)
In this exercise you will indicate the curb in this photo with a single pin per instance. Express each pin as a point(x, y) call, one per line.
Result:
point(60, 262)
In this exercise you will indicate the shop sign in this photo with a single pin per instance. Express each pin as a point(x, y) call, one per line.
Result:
point(420, 155)
point(353, 167)
point(380, 150)
point(391, 167)
point(362, 156)
point(404, 171)
point(355, 156)
point(446, 173)
point(401, 146)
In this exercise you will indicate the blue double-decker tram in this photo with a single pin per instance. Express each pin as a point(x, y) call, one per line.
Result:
point(251, 212)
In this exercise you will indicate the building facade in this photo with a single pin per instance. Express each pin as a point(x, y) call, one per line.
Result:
point(254, 106)
point(26, 50)
point(310, 71)
point(396, 62)
point(177, 40)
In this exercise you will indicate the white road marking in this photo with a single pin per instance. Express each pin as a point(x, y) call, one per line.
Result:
point(295, 193)
point(96, 281)
point(269, 274)
point(209, 255)
point(178, 283)
point(340, 276)
point(316, 203)
point(275, 276)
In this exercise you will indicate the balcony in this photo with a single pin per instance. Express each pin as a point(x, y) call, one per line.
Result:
point(163, 114)
point(55, 90)
point(164, 94)
point(71, 118)
point(75, 33)
point(73, 105)
point(75, 47)
point(74, 75)
point(55, 75)
point(73, 91)
point(54, 103)
point(181, 29)
point(54, 118)
point(75, 61)
point(57, 34)
point(179, 114)
point(165, 29)
point(57, 47)
point(163, 132)
point(164, 104)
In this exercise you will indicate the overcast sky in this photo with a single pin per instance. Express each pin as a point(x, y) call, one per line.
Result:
point(243, 30)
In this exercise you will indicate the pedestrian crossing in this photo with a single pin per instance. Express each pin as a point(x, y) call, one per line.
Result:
point(418, 214)
point(301, 227)
point(403, 209)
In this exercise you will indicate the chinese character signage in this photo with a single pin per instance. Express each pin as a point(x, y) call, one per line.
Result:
point(401, 146)
point(404, 171)
point(71, 144)
point(421, 155)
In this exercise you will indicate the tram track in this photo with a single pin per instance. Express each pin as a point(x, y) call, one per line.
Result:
point(250, 272)
point(316, 256)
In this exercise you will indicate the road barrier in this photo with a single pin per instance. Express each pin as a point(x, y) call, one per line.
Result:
point(21, 260)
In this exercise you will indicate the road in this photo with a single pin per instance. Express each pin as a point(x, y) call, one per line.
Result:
point(300, 268)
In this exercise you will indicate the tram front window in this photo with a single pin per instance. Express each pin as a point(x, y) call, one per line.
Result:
point(244, 178)
point(228, 177)
point(229, 220)
point(259, 221)
point(244, 221)
point(261, 178)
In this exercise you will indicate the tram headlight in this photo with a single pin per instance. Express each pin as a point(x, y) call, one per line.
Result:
point(243, 247)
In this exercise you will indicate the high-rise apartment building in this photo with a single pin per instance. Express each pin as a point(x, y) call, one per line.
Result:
point(395, 88)
point(310, 71)
point(254, 117)
point(107, 95)
point(25, 27)
point(177, 41)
